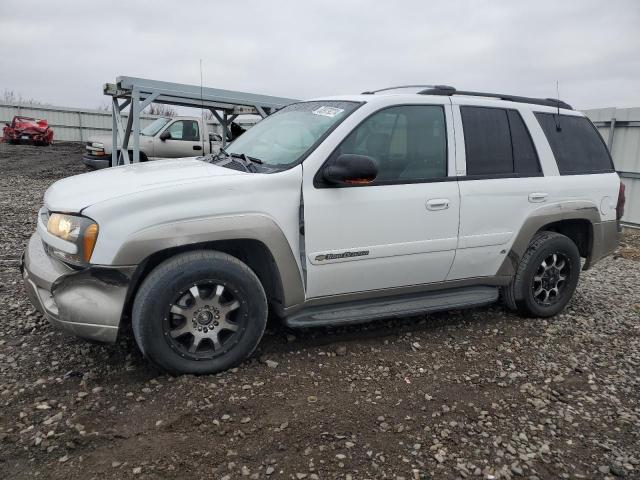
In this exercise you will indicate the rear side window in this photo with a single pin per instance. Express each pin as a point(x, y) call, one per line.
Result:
point(576, 144)
point(497, 142)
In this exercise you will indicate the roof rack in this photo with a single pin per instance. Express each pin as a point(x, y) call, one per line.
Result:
point(447, 90)
point(371, 92)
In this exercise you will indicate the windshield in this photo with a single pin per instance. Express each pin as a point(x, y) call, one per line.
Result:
point(154, 127)
point(284, 137)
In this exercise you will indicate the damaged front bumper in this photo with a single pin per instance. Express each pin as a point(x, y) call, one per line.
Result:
point(87, 302)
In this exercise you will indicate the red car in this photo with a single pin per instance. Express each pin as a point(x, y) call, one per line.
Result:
point(29, 130)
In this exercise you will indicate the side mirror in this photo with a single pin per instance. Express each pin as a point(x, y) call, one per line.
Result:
point(349, 169)
point(166, 135)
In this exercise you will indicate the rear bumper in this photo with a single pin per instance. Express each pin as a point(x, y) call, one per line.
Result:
point(96, 162)
point(87, 303)
point(606, 238)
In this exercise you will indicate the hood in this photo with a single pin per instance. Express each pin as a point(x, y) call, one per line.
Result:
point(75, 193)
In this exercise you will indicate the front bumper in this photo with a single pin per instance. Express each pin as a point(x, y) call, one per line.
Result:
point(28, 137)
point(87, 303)
point(96, 162)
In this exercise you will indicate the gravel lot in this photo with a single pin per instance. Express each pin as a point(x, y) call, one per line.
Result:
point(468, 394)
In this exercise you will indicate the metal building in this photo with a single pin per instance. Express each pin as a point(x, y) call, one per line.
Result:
point(620, 128)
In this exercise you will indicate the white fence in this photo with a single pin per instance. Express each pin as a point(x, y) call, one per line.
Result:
point(69, 124)
point(77, 125)
point(620, 128)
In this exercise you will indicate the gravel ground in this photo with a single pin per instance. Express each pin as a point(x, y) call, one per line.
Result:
point(479, 393)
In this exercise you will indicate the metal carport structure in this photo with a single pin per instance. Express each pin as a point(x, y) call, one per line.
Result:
point(139, 93)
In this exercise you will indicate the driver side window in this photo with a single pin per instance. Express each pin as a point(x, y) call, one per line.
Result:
point(408, 143)
point(184, 130)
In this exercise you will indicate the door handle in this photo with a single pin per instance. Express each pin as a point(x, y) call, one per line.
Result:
point(538, 197)
point(197, 147)
point(438, 204)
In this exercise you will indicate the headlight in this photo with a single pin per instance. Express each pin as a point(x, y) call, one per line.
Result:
point(96, 148)
point(81, 231)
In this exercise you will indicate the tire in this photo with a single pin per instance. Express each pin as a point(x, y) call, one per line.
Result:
point(546, 277)
point(180, 304)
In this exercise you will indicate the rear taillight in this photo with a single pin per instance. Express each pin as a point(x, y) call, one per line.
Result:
point(621, 200)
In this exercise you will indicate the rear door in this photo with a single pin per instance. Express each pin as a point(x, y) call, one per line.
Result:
point(398, 231)
point(501, 182)
point(185, 140)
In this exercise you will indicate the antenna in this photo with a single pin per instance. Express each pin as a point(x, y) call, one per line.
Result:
point(204, 125)
point(558, 128)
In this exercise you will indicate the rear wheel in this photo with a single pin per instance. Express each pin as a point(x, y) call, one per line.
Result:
point(546, 277)
point(199, 312)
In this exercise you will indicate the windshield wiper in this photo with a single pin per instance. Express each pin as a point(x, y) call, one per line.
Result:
point(246, 158)
point(247, 161)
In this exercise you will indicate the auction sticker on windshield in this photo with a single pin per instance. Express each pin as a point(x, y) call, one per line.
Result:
point(328, 111)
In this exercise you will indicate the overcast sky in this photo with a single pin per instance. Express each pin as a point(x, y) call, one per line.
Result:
point(61, 52)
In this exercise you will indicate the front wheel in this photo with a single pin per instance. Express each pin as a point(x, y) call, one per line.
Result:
point(546, 277)
point(199, 312)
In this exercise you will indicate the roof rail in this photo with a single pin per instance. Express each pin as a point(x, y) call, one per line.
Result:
point(446, 90)
point(371, 92)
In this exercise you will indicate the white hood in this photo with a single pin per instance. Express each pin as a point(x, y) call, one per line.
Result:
point(75, 193)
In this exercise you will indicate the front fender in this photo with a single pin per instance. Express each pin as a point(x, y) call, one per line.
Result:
point(144, 243)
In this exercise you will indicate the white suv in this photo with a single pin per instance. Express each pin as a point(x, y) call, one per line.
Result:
point(330, 211)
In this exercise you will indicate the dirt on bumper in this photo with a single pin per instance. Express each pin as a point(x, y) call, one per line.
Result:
point(87, 303)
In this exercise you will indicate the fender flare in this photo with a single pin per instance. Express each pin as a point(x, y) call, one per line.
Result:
point(575, 210)
point(262, 228)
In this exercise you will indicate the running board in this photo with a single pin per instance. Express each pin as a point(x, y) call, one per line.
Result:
point(366, 310)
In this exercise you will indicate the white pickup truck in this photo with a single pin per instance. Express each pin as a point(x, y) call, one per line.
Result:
point(166, 137)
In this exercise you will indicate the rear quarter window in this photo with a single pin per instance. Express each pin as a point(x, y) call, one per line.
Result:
point(497, 143)
point(576, 144)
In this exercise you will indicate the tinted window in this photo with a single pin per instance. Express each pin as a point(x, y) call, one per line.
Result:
point(576, 144)
point(184, 130)
point(497, 142)
point(487, 140)
point(408, 142)
point(525, 158)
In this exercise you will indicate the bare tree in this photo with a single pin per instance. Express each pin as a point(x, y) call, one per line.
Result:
point(161, 109)
point(208, 116)
point(104, 107)
point(10, 96)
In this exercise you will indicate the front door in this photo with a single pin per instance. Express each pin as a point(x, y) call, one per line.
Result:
point(398, 231)
point(185, 140)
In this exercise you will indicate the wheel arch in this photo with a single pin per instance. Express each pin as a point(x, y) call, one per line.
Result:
point(253, 253)
point(576, 220)
point(254, 239)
